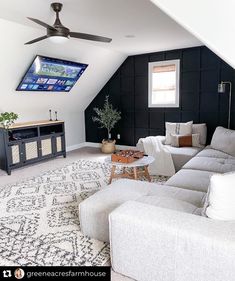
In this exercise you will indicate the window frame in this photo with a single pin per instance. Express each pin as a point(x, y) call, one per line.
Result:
point(151, 65)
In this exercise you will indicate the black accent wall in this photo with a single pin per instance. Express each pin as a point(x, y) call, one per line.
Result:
point(200, 72)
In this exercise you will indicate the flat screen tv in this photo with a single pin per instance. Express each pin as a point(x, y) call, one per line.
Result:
point(51, 75)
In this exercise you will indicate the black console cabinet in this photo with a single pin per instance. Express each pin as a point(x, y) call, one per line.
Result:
point(27, 143)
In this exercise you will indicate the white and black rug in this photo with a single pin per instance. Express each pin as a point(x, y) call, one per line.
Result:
point(39, 220)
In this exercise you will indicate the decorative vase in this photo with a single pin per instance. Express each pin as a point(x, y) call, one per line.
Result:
point(108, 146)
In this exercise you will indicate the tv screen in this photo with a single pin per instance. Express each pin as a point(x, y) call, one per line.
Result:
point(51, 75)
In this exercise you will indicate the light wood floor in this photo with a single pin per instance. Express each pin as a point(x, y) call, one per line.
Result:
point(36, 169)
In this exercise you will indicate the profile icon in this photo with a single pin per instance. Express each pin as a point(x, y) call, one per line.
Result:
point(19, 273)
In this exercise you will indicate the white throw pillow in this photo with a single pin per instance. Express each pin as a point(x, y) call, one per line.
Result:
point(195, 140)
point(202, 130)
point(177, 129)
point(220, 199)
point(224, 140)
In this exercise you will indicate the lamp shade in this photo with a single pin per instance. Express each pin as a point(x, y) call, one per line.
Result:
point(221, 88)
point(58, 39)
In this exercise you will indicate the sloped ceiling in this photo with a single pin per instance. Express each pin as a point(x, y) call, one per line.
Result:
point(211, 21)
point(153, 31)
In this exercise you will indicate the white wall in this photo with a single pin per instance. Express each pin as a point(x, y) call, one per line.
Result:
point(15, 58)
point(211, 21)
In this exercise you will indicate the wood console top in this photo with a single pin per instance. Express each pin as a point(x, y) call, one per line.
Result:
point(34, 123)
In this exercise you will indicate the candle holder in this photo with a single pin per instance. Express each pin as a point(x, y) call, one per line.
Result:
point(56, 116)
point(50, 115)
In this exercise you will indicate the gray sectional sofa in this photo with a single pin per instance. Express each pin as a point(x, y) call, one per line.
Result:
point(157, 232)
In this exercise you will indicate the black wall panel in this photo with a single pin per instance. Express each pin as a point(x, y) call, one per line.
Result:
point(200, 72)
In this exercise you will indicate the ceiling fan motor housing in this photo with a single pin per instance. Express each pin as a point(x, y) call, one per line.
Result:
point(57, 7)
point(60, 29)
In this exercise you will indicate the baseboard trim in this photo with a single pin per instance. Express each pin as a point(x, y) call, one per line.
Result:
point(75, 146)
point(97, 145)
point(92, 144)
point(119, 147)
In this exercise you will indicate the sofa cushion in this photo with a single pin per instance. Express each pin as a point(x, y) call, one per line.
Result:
point(182, 155)
point(191, 179)
point(210, 152)
point(220, 198)
point(200, 129)
point(224, 140)
point(216, 165)
point(177, 128)
point(170, 203)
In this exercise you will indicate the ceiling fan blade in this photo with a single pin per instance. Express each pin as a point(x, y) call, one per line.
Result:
point(42, 23)
point(36, 40)
point(90, 37)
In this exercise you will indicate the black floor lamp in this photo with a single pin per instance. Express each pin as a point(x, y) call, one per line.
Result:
point(222, 90)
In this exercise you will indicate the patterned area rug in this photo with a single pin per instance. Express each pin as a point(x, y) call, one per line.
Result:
point(39, 220)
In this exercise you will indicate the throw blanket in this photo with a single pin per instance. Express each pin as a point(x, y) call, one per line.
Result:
point(163, 164)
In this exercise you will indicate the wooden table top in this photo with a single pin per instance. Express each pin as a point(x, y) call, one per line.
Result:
point(33, 123)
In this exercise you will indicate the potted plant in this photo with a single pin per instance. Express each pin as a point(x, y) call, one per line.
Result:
point(107, 117)
point(7, 119)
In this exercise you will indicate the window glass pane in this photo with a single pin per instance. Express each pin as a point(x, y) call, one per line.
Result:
point(163, 97)
point(163, 81)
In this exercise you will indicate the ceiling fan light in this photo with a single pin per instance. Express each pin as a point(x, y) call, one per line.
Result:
point(58, 39)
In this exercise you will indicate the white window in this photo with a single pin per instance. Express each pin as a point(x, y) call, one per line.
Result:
point(164, 83)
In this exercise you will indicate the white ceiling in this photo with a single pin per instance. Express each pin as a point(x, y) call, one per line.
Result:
point(153, 30)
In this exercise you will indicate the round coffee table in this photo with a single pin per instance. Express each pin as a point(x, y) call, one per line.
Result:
point(137, 168)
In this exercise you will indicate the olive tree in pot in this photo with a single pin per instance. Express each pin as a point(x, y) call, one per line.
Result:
point(7, 119)
point(107, 117)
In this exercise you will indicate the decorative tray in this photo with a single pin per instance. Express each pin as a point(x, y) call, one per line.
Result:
point(126, 156)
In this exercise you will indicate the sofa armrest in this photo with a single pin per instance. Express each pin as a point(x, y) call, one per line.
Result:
point(152, 243)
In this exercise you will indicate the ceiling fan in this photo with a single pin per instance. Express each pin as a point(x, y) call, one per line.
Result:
point(60, 33)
